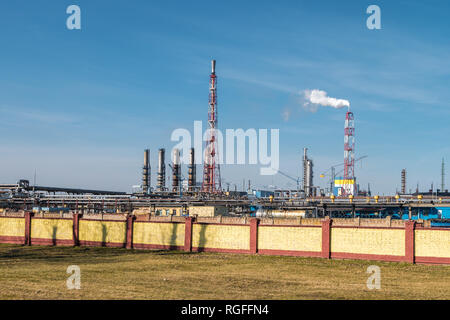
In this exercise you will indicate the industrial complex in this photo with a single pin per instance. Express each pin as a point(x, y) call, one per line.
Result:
point(224, 155)
point(172, 195)
point(176, 200)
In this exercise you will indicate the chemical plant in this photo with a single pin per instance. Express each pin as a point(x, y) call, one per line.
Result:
point(342, 197)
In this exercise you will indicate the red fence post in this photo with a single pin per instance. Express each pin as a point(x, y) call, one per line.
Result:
point(28, 216)
point(130, 221)
point(410, 226)
point(188, 234)
point(254, 222)
point(76, 228)
point(326, 233)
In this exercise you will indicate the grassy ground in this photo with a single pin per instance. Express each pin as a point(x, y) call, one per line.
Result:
point(107, 273)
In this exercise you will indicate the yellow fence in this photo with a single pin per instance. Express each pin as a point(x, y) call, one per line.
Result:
point(432, 243)
point(410, 243)
point(290, 238)
point(368, 241)
point(12, 227)
point(52, 229)
point(103, 231)
point(221, 236)
point(158, 234)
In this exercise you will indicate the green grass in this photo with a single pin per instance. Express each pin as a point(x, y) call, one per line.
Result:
point(108, 273)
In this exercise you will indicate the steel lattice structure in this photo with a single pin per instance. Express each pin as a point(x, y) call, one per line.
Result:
point(211, 171)
point(349, 152)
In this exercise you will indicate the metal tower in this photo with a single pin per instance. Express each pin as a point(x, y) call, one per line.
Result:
point(442, 176)
point(211, 170)
point(349, 152)
point(307, 174)
point(146, 172)
point(403, 188)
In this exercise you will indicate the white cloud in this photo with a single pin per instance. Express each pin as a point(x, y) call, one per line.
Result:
point(318, 97)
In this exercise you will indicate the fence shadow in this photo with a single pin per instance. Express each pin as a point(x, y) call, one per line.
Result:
point(104, 235)
point(171, 239)
point(202, 238)
point(55, 228)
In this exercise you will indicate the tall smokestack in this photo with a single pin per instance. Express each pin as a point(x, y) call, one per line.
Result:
point(213, 66)
point(307, 173)
point(161, 182)
point(309, 177)
point(192, 171)
point(403, 188)
point(146, 172)
point(175, 170)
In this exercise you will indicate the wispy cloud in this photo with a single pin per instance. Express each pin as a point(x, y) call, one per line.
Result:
point(286, 114)
point(243, 77)
point(37, 115)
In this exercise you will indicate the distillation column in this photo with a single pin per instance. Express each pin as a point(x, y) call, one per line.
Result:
point(192, 171)
point(176, 170)
point(161, 182)
point(146, 172)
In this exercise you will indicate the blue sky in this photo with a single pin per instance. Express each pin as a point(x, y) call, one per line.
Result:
point(79, 106)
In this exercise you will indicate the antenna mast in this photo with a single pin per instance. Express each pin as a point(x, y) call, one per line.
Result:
point(349, 154)
point(211, 171)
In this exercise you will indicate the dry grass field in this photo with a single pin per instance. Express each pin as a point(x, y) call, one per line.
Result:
point(108, 273)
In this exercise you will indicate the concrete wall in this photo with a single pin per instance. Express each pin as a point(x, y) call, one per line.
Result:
point(52, 231)
point(220, 237)
point(102, 233)
point(158, 235)
point(382, 243)
point(12, 230)
point(428, 245)
point(409, 243)
point(290, 240)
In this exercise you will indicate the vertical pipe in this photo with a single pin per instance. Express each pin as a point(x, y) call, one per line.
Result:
point(305, 175)
point(213, 66)
point(309, 178)
point(192, 171)
point(175, 170)
point(161, 182)
point(146, 172)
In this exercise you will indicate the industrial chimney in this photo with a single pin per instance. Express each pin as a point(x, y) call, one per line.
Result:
point(307, 173)
point(175, 170)
point(146, 172)
point(192, 171)
point(161, 181)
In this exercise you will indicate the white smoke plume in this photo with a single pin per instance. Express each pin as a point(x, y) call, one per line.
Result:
point(316, 97)
point(286, 114)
